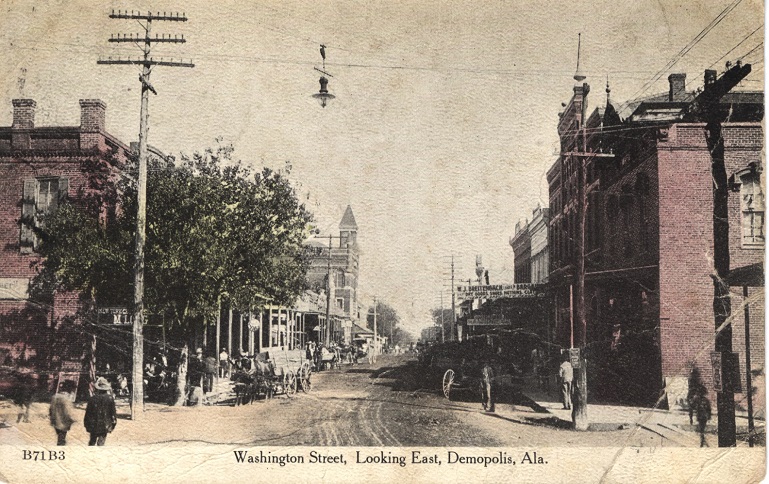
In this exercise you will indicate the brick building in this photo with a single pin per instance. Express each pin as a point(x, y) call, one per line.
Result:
point(649, 243)
point(339, 259)
point(39, 166)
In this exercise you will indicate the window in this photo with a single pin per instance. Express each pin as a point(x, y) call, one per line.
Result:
point(340, 303)
point(752, 205)
point(339, 278)
point(41, 197)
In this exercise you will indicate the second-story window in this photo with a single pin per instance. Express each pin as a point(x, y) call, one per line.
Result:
point(40, 198)
point(752, 206)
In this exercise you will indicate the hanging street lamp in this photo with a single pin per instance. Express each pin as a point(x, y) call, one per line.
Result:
point(323, 96)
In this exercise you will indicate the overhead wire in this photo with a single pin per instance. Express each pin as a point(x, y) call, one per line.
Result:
point(736, 46)
point(685, 50)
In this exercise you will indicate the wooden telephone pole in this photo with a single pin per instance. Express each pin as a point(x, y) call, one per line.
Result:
point(705, 108)
point(147, 63)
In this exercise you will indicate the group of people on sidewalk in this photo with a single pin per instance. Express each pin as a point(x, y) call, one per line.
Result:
point(697, 397)
point(202, 372)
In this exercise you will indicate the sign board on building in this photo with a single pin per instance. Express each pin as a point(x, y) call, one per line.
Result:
point(16, 288)
point(488, 321)
point(114, 316)
point(574, 357)
point(512, 291)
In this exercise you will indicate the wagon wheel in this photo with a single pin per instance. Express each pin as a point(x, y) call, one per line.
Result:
point(448, 380)
point(304, 381)
point(289, 383)
point(306, 384)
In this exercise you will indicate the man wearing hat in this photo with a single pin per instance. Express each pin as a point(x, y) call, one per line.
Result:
point(100, 414)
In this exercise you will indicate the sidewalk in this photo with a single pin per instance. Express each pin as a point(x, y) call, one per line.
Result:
point(672, 425)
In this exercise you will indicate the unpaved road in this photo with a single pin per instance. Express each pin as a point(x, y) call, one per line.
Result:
point(390, 403)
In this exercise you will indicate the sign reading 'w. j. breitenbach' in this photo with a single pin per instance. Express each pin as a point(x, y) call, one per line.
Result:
point(501, 291)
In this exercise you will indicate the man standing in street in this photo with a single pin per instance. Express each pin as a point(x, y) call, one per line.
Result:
point(60, 411)
point(208, 384)
point(566, 375)
point(100, 414)
point(196, 372)
point(224, 363)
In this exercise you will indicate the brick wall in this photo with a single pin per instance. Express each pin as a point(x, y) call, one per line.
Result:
point(686, 249)
point(29, 152)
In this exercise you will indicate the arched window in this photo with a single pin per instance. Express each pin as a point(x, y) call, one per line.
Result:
point(752, 204)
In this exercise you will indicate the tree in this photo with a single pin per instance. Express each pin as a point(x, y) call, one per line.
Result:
point(387, 322)
point(213, 228)
point(443, 318)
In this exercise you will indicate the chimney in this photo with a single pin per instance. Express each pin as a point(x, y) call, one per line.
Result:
point(677, 87)
point(92, 115)
point(24, 113)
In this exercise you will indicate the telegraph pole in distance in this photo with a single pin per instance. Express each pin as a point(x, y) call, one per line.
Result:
point(328, 295)
point(453, 302)
point(374, 349)
point(443, 336)
point(147, 62)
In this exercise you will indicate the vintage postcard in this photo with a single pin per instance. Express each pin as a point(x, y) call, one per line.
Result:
point(382, 241)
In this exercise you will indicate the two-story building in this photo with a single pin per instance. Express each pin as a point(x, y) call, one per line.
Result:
point(40, 166)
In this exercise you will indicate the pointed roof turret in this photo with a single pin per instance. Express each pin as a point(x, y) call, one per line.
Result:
point(348, 220)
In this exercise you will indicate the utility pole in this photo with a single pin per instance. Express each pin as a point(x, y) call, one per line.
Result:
point(443, 335)
point(579, 403)
point(376, 337)
point(705, 108)
point(147, 62)
point(453, 302)
point(328, 295)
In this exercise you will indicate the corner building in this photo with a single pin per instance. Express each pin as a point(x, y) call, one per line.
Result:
point(649, 237)
point(39, 167)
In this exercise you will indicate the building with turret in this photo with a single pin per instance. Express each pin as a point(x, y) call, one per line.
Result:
point(334, 273)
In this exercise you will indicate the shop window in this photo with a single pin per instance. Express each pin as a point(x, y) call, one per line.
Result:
point(41, 197)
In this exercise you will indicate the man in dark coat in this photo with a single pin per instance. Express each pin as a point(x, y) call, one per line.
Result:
point(196, 371)
point(100, 414)
point(23, 396)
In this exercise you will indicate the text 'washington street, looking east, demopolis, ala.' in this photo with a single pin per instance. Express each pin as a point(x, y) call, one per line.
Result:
point(402, 458)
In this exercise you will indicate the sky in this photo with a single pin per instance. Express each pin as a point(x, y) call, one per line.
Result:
point(444, 121)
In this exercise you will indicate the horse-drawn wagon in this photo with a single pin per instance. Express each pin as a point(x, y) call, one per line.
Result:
point(469, 368)
point(273, 372)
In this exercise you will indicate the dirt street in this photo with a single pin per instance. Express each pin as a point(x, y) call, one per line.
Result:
point(390, 403)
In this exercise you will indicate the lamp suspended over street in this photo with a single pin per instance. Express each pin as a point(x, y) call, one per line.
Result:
point(323, 96)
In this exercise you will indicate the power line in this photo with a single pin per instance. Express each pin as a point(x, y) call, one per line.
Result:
point(736, 46)
point(697, 39)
